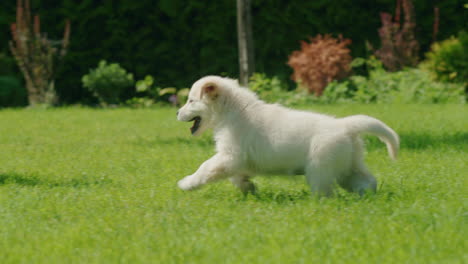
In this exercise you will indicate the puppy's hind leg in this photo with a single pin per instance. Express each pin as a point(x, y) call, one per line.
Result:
point(243, 183)
point(321, 180)
point(327, 160)
point(360, 181)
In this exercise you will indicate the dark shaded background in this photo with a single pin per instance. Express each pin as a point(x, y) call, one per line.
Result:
point(179, 41)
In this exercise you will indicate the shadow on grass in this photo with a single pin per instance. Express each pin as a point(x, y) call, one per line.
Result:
point(293, 196)
point(281, 196)
point(32, 180)
point(424, 140)
point(202, 142)
point(413, 141)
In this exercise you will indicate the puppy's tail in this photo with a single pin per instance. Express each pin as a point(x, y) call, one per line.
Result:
point(358, 124)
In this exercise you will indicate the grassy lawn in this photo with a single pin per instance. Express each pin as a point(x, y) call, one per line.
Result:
point(99, 186)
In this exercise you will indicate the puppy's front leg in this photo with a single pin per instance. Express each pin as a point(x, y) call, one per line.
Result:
point(217, 167)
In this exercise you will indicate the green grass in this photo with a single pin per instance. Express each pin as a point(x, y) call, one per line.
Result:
point(99, 186)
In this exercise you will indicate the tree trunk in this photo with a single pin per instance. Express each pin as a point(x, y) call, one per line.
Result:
point(34, 97)
point(42, 92)
point(245, 41)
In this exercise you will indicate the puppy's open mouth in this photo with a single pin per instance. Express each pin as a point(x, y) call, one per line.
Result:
point(196, 124)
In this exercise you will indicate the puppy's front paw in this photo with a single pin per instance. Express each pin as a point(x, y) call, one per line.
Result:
point(188, 183)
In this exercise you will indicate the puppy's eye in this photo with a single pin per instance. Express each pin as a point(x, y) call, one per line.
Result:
point(190, 101)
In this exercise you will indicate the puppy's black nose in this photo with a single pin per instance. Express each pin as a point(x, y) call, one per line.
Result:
point(177, 112)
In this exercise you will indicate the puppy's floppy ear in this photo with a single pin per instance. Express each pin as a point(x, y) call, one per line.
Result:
point(210, 90)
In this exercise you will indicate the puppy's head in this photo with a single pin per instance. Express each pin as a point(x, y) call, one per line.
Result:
point(203, 103)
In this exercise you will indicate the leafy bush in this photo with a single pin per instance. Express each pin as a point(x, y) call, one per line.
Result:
point(321, 61)
point(146, 90)
point(12, 93)
point(267, 88)
point(145, 85)
point(8, 63)
point(148, 94)
point(140, 102)
point(108, 82)
point(448, 60)
point(408, 86)
point(272, 90)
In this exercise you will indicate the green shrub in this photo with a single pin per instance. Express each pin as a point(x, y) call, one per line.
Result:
point(448, 60)
point(108, 82)
point(272, 90)
point(407, 86)
point(12, 93)
point(148, 94)
point(266, 88)
point(140, 102)
point(146, 87)
point(8, 63)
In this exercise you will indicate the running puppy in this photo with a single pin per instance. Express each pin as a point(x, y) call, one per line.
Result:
point(255, 137)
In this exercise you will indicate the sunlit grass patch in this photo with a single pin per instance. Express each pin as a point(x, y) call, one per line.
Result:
point(99, 186)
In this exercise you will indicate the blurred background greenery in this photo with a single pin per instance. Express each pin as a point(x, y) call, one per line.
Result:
point(177, 42)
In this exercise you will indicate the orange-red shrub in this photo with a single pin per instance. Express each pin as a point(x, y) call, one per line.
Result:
point(321, 61)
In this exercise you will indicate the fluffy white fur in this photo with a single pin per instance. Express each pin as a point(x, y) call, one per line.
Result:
point(255, 137)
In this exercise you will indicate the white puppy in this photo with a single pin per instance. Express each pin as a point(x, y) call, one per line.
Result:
point(255, 137)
